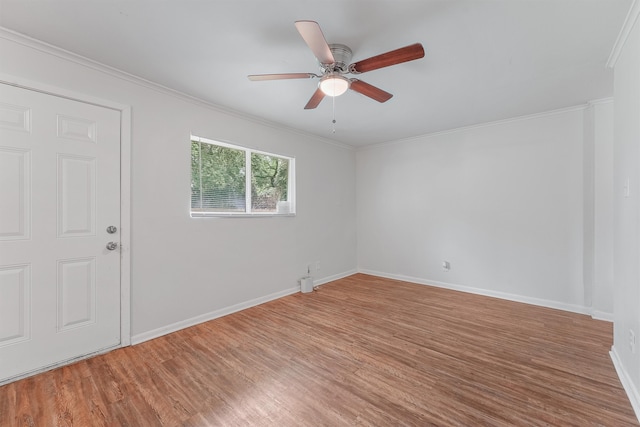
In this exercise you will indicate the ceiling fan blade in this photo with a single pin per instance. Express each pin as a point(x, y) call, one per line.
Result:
point(398, 56)
point(312, 35)
point(371, 91)
point(259, 77)
point(317, 96)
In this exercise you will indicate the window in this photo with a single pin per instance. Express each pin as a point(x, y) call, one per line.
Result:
point(231, 180)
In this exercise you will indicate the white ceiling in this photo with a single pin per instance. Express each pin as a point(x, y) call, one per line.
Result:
point(485, 60)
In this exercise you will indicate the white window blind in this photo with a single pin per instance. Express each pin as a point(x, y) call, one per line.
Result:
point(232, 180)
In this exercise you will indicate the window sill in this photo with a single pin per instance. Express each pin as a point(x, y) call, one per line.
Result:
point(238, 215)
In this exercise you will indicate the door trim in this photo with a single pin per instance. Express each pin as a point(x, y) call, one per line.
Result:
point(125, 188)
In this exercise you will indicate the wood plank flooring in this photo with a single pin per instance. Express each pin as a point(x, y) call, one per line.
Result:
point(359, 351)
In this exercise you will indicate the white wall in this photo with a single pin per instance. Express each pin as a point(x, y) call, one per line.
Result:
point(602, 167)
point(184, 268)
point(627, 208)
point(504, 203)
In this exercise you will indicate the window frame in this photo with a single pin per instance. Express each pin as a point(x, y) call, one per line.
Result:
point(248, 213)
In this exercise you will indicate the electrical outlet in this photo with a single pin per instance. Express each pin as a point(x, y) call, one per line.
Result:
point(446, 266)
point(317, 265)
point(632, 341)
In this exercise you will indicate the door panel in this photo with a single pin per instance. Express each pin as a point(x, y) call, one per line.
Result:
point(15, 196)
point(15, 117)
point(76, 293)
point(15, 292)
point(59, 191)
point(76, 196)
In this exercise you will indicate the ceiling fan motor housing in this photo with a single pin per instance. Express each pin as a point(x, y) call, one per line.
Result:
point(342, 55)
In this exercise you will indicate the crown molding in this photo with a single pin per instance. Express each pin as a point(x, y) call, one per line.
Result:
point(600, 101)
point(629, 23)
point(66, 55)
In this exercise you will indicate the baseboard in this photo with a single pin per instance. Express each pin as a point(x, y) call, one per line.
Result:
point(602, 315)
point(627, 383)
point(334, 277)
point(149, 335)
point(495, 294)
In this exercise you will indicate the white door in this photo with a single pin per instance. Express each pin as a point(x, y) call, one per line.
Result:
point(59, 191)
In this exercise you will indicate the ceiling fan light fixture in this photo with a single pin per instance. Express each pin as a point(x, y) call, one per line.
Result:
point(334, 84)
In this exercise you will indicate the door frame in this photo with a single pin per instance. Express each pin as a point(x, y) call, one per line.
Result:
point(125, 193)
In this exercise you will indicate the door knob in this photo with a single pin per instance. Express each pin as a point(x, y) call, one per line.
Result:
point(112, 229)
point(112, 245)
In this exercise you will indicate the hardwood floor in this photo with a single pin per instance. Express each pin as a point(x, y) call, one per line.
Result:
point(359, 351)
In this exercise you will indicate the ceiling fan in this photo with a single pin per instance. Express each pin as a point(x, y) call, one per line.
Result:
point(334, 62)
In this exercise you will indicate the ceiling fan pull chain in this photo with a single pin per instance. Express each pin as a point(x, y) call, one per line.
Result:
point(334, 114)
